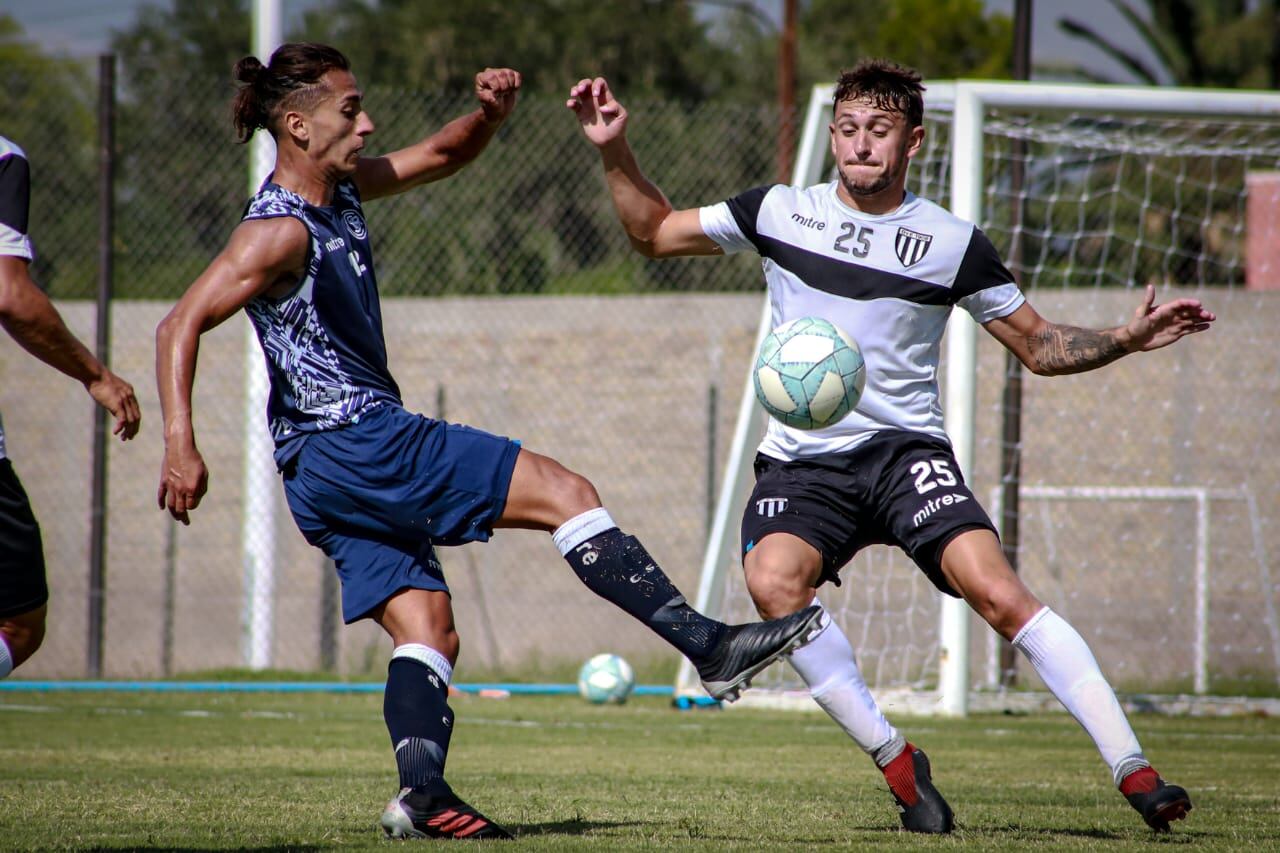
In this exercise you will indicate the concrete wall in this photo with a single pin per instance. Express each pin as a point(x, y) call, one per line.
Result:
point(617, 389)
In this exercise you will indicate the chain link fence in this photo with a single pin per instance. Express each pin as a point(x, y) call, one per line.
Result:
point(513, 302)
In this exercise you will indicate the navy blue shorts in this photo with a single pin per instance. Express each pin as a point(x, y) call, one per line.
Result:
point(899, 488)
point(377, 495)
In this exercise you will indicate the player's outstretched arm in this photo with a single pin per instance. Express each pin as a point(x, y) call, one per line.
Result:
point(264, 256)
point(448, 149)
point(32, 320)
point(1052, 349)
point(655, 229)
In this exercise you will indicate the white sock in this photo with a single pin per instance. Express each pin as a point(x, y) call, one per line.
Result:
point(827, 665)
point(426, 656)
point(580, 528)
point(1063, 661)
point(6, 659)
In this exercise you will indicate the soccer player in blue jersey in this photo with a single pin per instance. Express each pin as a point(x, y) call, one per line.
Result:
point(371, 484)
point(30, 318)
point(887, 267)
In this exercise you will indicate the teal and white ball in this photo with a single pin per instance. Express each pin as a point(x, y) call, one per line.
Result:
point(606, 678)
point(809, 373)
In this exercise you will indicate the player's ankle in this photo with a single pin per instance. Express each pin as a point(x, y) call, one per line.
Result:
point(1144, 780)
point(900, 773)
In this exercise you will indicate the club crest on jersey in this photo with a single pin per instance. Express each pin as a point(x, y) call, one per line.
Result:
point(770, 507)
point(354, 223)
point(911, 246)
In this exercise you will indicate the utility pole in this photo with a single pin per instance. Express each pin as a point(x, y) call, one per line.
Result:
point(1011, 399)
point(787, 91)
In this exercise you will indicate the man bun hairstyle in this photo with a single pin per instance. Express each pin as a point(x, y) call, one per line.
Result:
point(887, 85)
point(290, 81)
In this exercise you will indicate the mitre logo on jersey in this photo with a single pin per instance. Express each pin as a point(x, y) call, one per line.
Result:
point(354, 223)
point(911, 246)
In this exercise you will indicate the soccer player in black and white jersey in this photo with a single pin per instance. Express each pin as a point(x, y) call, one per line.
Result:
point(31, 320)
point(887, 267)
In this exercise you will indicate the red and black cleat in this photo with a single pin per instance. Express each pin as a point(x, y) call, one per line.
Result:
point(1155, 799)
point(439, 814)
point(920, 806)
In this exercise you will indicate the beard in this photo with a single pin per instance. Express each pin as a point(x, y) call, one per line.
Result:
point(868, 186)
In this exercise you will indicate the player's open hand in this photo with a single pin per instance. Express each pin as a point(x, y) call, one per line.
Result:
point(116, 396)
point(496, 90)
point(1154, 326)
point(603, 119)
point(183, 480)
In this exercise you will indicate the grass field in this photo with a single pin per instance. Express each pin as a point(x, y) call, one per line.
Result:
point(191, 771)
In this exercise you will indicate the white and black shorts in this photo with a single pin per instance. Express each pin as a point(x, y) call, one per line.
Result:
point(899, 488)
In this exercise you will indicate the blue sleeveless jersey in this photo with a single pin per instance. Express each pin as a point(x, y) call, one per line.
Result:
point(323, 341)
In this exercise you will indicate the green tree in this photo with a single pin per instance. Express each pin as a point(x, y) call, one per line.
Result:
point(48, 109)
point(182, 178)
point(531, 215)
point(1217, 43)
point(643, 46)
point(943, 39)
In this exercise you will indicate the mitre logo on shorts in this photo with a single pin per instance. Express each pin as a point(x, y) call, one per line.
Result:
point(911, 246)
point(933, 505)
point(769, 507)
point(354, 223)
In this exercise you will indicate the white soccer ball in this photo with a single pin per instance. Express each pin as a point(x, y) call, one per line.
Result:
point(606, 678)
point(809, 374)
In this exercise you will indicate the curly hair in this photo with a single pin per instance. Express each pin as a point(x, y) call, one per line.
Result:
point(887, 85)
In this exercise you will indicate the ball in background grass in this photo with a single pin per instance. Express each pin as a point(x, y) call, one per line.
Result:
point(606, 678)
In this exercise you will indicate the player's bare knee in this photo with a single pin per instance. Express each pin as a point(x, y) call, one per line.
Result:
point(1005, 607)
point(572, 493)
point(777, 587)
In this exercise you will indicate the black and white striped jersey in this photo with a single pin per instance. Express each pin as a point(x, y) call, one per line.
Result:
point(888, 280)
point(15, 203)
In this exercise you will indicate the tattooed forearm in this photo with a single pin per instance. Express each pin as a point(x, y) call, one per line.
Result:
point(1067, 349)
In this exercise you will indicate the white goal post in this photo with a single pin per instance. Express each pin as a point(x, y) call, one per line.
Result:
point(968, 103)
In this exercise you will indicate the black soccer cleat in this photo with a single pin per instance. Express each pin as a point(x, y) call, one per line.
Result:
point(746, 649)
point(921, 807)
point(1161, 804)
point(440, 814)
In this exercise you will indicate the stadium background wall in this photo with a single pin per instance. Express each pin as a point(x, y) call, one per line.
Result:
point(617, 387)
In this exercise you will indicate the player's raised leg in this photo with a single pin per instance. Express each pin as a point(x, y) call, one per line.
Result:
point(975, 566)
point(547, 496)
point(420, 721)
point(782, 572)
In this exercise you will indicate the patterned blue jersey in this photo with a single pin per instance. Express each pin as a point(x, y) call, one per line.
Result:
point(323, 341)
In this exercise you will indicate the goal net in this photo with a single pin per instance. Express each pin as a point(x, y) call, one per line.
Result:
point(1150, 489)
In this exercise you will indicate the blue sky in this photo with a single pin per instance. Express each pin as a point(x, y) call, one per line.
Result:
point(82, 27)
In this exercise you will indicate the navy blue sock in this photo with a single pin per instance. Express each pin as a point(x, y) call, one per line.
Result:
point(419, 719)
point(617, 568)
